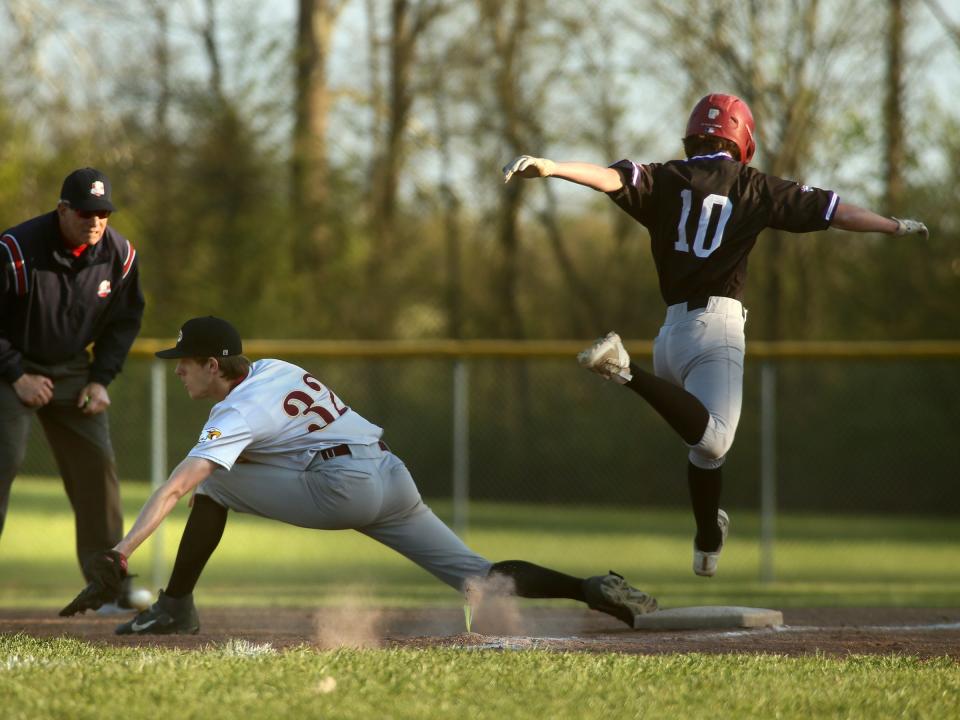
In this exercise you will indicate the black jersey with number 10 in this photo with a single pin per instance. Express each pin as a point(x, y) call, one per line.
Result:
point(704, 215)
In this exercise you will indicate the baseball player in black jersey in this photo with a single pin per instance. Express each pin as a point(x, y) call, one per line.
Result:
point(67, 281)
point(703, 215)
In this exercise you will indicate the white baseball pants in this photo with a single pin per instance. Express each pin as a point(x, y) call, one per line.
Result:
point(702, 351)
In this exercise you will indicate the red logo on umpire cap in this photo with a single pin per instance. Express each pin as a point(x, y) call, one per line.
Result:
point(97, 188)
point(104, 289)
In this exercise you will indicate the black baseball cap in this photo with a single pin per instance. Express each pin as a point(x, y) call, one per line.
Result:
point(205, 337)
point(87, 189)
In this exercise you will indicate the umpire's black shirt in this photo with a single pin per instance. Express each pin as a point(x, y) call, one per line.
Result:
point(54, 303)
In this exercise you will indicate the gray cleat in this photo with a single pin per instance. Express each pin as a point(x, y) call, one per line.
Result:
point(705, 563)
point(608, 358)
point(613, 595)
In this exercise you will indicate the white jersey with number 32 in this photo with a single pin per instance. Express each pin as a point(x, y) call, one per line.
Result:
point(279, 415)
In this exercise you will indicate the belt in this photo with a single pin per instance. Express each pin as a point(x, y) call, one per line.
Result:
point(338, 450)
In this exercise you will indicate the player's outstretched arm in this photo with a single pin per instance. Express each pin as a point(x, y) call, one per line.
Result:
point(185, 477)
point(593, 176)
point(858, 219)
point(108, 570)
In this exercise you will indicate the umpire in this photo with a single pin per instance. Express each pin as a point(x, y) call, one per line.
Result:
point(68, 281)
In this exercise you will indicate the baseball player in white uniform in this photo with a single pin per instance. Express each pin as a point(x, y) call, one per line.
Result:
point(280, 444)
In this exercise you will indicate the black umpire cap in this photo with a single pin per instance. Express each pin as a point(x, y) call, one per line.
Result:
point(87, 189)
point(205, 337)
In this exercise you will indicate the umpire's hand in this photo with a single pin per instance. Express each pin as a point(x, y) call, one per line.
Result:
point(34, 391)
point(93, 399)
point(106, 572)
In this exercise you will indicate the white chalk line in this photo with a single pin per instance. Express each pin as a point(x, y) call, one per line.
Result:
point(819, 628)
point(519, 643)
point(533, 643)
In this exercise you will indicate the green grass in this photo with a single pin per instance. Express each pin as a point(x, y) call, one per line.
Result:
point(70, 679)
point(820, 561)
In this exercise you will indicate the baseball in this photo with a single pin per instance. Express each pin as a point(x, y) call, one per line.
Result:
point(141, 598)
point(327, 685)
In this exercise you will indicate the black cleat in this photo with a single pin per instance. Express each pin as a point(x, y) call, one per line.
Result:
point(167, 616)
point(614, 596)
point(121, 605)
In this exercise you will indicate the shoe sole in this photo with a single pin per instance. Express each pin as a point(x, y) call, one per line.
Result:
point(606, 362)
point(113, 609)
point(187, 631)
point(593, 359)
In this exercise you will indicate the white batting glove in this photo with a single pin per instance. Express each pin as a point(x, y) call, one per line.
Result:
point(527, 166)
point(911, 227)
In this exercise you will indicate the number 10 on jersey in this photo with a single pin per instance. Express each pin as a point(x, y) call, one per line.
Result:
point(710, 203)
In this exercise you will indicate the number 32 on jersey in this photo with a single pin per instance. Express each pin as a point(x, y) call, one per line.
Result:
point(710, 204)
point(326, 407)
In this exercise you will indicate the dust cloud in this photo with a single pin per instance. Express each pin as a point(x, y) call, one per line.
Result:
point(494, 605)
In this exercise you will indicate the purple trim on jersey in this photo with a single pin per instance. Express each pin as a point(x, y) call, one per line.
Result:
point(635, 173)
point(832, 207)
point(712, 156)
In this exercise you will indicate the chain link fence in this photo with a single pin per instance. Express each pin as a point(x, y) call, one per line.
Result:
point(850, 447)
point(852, 435)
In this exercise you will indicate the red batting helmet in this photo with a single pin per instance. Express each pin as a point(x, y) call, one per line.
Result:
point(725, 116)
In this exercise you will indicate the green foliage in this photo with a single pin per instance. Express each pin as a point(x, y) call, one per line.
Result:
point(68, 679)
point(202, 171)
point(851, 436)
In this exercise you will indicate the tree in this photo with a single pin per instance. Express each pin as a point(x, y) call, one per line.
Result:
point(952, 29)
point(409, 23)
point(309, 162)
point(507, 26)
point(893, 110)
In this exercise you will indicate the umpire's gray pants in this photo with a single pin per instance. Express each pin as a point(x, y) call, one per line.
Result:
point(374, 494)
point(81, 447)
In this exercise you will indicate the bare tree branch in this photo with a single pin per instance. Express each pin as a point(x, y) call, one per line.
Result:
point(941, 15)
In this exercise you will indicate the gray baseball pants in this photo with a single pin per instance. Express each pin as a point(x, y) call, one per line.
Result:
point(82, 449)
point(702, 351)
point(370, 491)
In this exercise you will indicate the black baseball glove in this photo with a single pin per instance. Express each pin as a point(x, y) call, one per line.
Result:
point(106, 572)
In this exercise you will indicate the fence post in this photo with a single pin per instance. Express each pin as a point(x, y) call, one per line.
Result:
point(768, 468)
point(158, 455)
point(461, 446)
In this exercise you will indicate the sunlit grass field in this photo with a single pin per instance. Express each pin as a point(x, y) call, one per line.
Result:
point(820, 560)
point(69, 679)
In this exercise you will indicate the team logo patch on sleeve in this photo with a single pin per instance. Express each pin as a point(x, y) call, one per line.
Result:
point(209, 434)
point(104, 289)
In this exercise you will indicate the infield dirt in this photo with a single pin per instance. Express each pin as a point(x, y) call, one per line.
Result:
point(920, 632)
